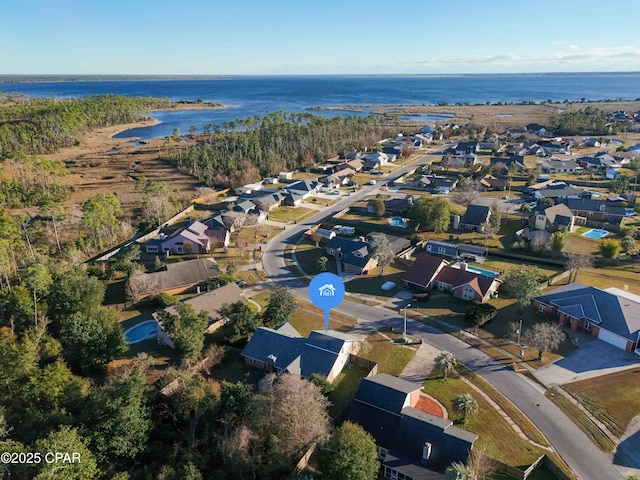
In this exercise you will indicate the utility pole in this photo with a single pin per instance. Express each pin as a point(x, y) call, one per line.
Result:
point(404, 335)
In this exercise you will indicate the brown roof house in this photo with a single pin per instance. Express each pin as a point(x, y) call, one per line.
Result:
point(429, 272)
point(210, 302)
point(423, 272)
point(176, 278)
point(466, 284)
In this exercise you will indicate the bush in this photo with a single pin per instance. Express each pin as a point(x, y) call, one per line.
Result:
point(165, 299)
point(480, 314)
point(609, 248)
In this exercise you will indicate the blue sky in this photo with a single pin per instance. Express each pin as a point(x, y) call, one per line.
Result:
point(213, 37)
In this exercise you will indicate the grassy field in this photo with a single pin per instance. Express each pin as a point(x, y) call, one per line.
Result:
point(613, 277)
point(614, 399)
point(496, 437)
point(345, 386)
point(289, 214)
point(370, 284)
point(581, 420)
point(308, 254)
point(391, 358)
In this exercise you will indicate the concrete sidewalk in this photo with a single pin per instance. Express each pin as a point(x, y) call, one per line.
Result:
point(421, 365)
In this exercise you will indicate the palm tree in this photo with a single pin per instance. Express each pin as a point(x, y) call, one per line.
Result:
point(445, 363)
point(459, 471)
point(465, 406)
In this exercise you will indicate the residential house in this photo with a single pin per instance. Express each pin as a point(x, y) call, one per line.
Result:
point(459, 161)
point(595, 210)
point(560, 191)
point(356, 164)
point(341, 177)
point(355, 255)
point(177, 278)
point(455, 250)
point(249, 188)
point(611, 315)
point(397, 244)
point(190, 239)
point(490, 182)
point(304, 188)
point(602, 162)
point(245, 206)
point(269, 202)
point(412, 444)
point(210, 302)
point(551, 147)
point(552, 219)
point(436, 184)
point(397, 205)
point(474, 218)
point(292, 199)
point(466, 147)
point(219, 238)
point(612, 174)
point(466, 284)
point(423, 271)
point(517, 160)
point(536, 129)
point(592, 142)
point(284, 350)
point(561, 166)
point(376, 160)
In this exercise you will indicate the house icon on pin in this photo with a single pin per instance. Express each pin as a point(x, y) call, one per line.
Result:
point(327, 290)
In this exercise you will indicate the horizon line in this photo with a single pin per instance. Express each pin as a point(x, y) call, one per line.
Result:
point(229, 75)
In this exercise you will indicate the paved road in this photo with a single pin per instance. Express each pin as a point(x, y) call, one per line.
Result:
point(585, 459)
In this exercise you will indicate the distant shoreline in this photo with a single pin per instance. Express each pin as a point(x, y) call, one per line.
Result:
point(27, 78)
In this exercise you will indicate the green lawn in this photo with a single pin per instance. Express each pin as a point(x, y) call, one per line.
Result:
point(496, 437)
point(307, 254)
point(613, 277)
point(308, 317)
point(581, 420)
point(391, 358)
point(614, 398)
point(345, 386)
point(234, 370)
point(370, 284)
point(321, 201)
point(289, 214)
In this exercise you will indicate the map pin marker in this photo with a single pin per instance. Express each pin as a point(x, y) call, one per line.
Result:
point(326, 291)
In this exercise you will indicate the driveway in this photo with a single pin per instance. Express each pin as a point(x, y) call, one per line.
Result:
point(592, 360)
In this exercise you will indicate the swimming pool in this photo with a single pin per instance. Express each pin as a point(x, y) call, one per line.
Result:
point(629, 212)
point(482, 271)
point(398, 222)
point(595, 233)
point(141, 331)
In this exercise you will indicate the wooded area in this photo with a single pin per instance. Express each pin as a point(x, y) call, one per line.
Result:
point(246, 150)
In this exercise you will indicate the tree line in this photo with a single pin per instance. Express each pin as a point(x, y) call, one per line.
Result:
point(43, 125)
point(245, 150)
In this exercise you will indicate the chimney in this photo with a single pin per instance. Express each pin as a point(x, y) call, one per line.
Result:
point(272, 362)
point(463, 266)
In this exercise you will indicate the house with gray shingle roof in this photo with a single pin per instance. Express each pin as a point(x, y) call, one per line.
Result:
point(552, 219)
point(474, 218)
point(284, 350)
point(611, 315)
point(412, 444)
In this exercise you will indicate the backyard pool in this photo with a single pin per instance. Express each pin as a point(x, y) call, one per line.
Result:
point(398, 222)
point(629, 212)
point(481, 271)
point(141, 331)
point(595, 233)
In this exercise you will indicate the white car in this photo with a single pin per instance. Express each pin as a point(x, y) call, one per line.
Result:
point(372, 182)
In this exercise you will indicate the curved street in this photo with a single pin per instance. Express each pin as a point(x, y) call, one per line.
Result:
point(584, 458)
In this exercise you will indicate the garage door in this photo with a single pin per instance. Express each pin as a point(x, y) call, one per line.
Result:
point(613, 339)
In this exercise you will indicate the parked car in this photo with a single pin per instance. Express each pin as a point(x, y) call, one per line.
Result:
point(335, 192)
point(372, 182)
point(241, 283)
